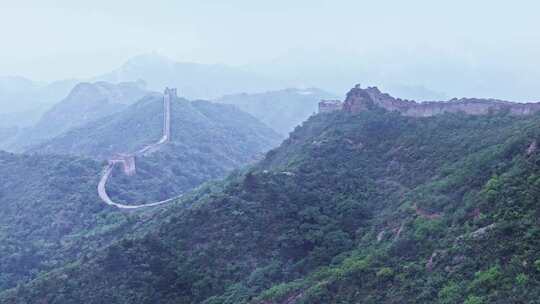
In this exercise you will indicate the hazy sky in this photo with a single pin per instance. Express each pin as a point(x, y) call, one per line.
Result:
point(45, 40)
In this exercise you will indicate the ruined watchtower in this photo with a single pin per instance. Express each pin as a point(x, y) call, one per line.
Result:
point(127, 161)
point(326, 106)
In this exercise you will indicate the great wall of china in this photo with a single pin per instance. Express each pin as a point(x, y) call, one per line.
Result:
point(127, 160)
point(359, 100)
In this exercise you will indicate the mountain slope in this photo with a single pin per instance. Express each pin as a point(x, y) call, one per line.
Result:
point(281, 110)
point(50, 214)
point(18, 94)
point(207, 141)
point(85, 103)
point(373, 207)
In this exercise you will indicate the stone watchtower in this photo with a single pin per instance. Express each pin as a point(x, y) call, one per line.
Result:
point(326, 106)
point(171, 92)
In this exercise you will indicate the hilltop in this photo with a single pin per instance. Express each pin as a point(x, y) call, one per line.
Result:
point(85, 103)
point(370, 206)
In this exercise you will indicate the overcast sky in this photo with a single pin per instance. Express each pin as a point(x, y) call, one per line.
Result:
point(46, 40)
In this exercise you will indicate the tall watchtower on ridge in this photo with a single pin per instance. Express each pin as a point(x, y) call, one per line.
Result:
point(171, 92)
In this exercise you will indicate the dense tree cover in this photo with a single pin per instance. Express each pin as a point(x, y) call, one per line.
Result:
point(48, 211)
point(50, 214)
point(372, 208)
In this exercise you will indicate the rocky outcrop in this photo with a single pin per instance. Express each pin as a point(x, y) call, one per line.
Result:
point(359, 100)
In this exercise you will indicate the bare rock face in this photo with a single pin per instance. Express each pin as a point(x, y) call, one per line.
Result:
point(359, 100)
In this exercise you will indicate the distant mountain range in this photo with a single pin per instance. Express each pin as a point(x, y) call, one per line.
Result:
point(22, 101)
point(193, 80)
point(282, 110)
point(85, 103)
point(111, 92)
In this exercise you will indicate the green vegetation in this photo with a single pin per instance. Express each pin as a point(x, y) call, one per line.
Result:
point(207, 141)
point(372, 208)
point(49, 214)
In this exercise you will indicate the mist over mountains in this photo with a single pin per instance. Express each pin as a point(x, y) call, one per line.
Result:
point(358, 203)
point(194, 80)
point(282, 110)
point(85, 103)
point(22, 101)
point(269, 152)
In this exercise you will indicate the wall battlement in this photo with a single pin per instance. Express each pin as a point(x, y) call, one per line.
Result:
point(326, 106)
point(359, 100)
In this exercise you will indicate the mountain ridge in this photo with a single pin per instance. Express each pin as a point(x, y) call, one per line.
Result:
point(85, 103)
point(359, 100)
point(371, 206)
point(207, 140)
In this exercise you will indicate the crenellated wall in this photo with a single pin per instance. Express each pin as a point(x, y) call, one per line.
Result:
point(359, 100)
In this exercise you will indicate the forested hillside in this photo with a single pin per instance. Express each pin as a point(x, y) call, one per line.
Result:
point(194, 124)
point(367, 208)
point(50, 214)
point(207, 141)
